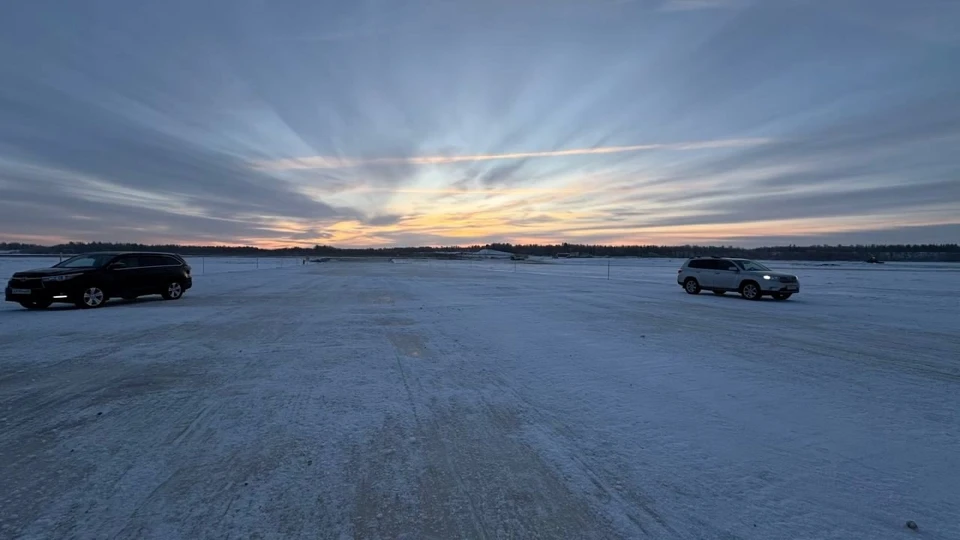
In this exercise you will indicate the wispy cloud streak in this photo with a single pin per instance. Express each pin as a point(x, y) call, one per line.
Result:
point(330, 162)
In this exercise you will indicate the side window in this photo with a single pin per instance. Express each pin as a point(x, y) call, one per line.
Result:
point(696, 265)
point(158, 260)
point(726, 265)
point(130, 261)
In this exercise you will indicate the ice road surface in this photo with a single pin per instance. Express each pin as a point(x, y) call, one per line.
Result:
point(472, 400)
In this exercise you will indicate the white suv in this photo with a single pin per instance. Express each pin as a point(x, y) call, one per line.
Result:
point(750, 278)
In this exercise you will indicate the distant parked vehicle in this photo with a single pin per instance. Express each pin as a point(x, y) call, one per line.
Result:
point(750, 278)
point(89, 280)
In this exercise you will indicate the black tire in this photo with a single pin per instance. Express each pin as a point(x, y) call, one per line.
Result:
point(36, 304)
point(91, 297)
point(691, 286)
point(173, 291)
point(781, 296)
point(751, 290)
point(719, 293)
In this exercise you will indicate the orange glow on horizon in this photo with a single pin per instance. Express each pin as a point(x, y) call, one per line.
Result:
point(557, 227)
point(504, 223)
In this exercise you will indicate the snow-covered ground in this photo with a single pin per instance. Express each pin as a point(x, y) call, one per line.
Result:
point(455, 399)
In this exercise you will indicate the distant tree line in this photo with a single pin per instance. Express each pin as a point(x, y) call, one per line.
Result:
point(910, 252)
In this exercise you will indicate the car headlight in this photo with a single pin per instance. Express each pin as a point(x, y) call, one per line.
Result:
point(767, 277)
point(63, 277)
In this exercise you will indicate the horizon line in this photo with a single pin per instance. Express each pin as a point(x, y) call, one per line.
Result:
point(314, 246)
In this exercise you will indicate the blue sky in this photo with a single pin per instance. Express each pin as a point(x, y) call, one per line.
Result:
point(377, 122)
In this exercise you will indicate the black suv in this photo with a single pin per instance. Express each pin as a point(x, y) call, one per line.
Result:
point(89, 280)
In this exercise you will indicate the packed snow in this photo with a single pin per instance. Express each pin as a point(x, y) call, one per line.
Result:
point(486, 399)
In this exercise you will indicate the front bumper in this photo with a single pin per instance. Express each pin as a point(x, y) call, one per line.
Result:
point(52, 293)
point(779, 287)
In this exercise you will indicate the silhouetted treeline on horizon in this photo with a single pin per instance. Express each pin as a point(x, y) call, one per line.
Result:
point(910, 252)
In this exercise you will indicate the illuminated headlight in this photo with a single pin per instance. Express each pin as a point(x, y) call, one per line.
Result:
point(64, 277)
point(767, 277)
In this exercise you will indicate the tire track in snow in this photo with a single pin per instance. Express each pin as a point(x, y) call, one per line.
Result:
point(450, 465)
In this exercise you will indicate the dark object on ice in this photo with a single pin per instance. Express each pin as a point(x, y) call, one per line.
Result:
point(873, 260)
point(912, 525)
point(89, 280)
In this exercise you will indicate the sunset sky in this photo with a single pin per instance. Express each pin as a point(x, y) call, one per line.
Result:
point(437, 122)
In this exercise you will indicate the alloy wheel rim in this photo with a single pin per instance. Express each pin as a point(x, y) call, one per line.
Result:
point(93, 297)
point(174, 290)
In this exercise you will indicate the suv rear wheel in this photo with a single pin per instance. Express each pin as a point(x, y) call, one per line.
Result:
point(691, 286)
point(173, 291)
point(751, 290)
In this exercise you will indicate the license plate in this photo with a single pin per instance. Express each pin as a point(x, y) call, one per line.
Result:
point(20, 291)
point(791, 287)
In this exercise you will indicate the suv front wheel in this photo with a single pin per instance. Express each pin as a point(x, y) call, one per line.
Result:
point(173, 291)
point(751, 291)
point(691, 286)
point(92, 297)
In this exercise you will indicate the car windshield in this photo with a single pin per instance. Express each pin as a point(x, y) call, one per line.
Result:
point(751, 266)
point(85, 261)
